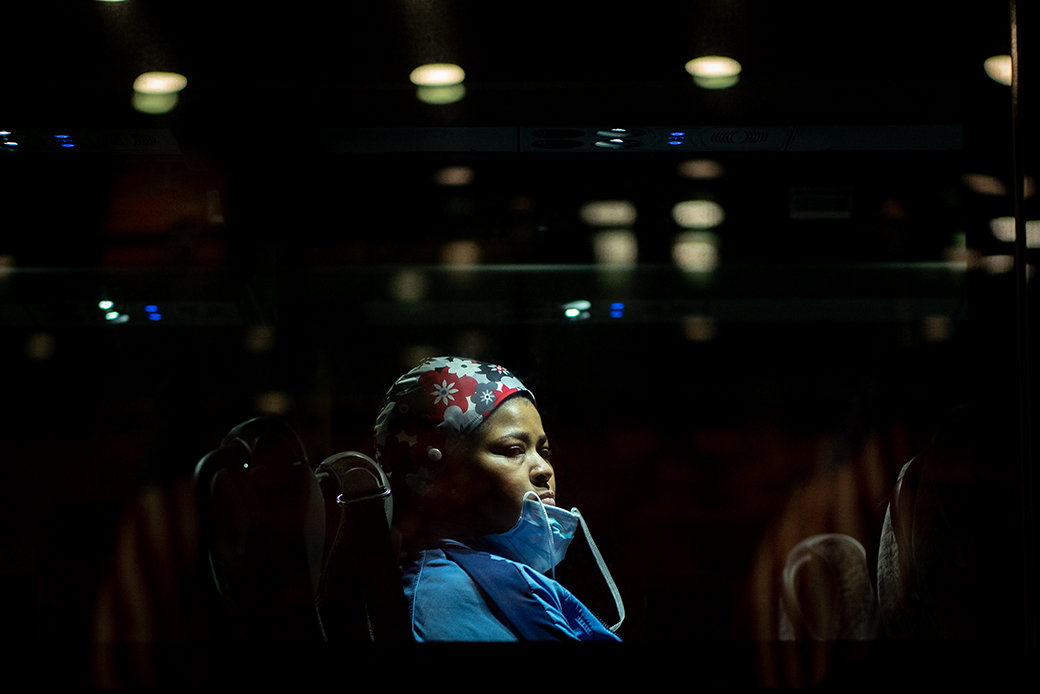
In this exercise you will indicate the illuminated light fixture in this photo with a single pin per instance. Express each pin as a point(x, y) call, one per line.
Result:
point(160, 83)
point(617, 309)
point(105, 305)
point(453, 176)
point(696, 251)
point(438, 83)
point(112, 315)
point(437, 75)
point(698, 214)
point(700, 169)
point(599, 213)
point(577, 310)
point(156, 92)
point(998, 68)
point(615, 248)
point(1004, 229)
point(714, 71)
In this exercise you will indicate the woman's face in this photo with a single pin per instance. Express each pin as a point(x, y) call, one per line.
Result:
point(507, 456)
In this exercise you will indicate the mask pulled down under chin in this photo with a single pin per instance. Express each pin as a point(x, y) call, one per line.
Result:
point(541, 537)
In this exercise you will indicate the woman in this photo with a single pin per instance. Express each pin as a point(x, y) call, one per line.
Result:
point(476, 501)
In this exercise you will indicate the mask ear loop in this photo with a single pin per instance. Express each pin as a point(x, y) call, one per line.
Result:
point(603, 569)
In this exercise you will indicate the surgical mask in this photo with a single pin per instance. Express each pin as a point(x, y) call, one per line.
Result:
point(541, 537)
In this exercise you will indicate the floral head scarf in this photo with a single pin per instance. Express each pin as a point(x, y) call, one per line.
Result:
point(431, 408)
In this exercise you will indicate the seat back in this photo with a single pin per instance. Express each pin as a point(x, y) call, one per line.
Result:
point(361, 596)
point(262, 531)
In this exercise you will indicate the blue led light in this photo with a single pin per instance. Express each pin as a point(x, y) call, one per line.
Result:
point(151, 308)
point(676, 134)
point(616, 314)
point(675, 142)
point(617, 306)
point(62, 137)
point(68, 145)
point(154, 316)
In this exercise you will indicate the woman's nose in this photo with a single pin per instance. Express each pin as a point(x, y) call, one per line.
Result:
point(542, 472)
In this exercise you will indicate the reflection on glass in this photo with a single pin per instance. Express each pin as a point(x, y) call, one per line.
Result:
point(1004, 229)
point(153, 104)
point(274, 402)
point(696, 251)
point(39, 346)
point(616, 248)
point(699, 328)
point(936, 328)
point(258, 338)
point(453, 176)
point(461, 253)
point(608, 213)
point(700, 169)
point(698, 214)
point(997, 264)
point(984, 184)
point(440, 95)
point(408, 285)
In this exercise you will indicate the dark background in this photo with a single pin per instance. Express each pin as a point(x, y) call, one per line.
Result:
point(698, 462)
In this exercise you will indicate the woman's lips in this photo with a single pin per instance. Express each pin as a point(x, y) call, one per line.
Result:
point(548, 499)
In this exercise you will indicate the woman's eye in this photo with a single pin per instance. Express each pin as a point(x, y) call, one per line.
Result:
point(545, 453)
point(514, 451)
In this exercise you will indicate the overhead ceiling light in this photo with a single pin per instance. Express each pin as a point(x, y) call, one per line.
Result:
point(437, 75)
point(160, 83)
point(714, 71)
point(603, 213)
point(698, 214)
point(998, 68)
